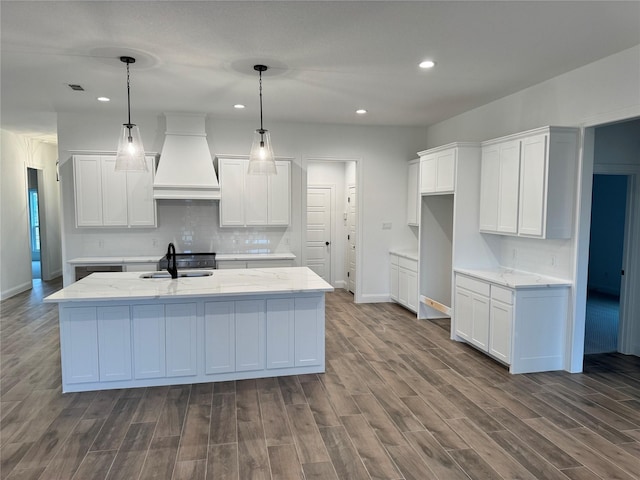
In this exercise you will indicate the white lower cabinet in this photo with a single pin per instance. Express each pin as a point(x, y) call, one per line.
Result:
point(181, 337)
point(523, 327)
point(148, 341)
point(219, 337)
point(404, 281)
point(250, 334)
point(79, 345)
point(309, 331)
point(280, 333)
point(114, 343)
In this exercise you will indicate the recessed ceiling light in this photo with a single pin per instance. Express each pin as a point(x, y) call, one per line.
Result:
point(103, 99)
point(427, 64)
point(239, 106)
point(361, 111)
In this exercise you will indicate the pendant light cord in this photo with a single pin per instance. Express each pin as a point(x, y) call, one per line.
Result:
point(261, 127)
point(128, 98)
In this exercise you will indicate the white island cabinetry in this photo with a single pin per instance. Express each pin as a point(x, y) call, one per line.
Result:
point(135, 332)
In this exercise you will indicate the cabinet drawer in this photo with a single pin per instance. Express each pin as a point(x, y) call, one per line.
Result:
point(394, 259)
point(503, 295)
point(408, 264)
point(473, 285)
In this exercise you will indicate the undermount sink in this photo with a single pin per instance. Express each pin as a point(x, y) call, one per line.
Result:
point(185, 273)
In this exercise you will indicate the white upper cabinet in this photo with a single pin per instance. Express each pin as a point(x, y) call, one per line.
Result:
point(413, 193)
point(106, 198)
point(528, 183)
point(500, 174)
point(254, 200)
point(437, 171)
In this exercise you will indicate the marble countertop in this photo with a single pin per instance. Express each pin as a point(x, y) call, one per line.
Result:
point(515, 278)
point(255, 256)
point(129, 286)
point(410, 254)
point(114, 260)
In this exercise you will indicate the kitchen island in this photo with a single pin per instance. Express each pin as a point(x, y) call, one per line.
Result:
point(119, 330)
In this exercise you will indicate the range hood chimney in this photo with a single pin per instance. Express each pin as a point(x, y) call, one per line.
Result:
point(185, 170)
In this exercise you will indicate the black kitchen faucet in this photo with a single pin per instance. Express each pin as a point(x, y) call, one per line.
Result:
point(172, 265)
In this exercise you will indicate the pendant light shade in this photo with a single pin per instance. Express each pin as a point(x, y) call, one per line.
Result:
point(261, 158)
point(130, 155)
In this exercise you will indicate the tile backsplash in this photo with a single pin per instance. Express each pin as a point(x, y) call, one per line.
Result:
point(193, 226)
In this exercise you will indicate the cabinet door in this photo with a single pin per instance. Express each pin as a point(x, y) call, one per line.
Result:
point(489, 188)
point(309, 331)
point(219, 337)
point(280, 333)
point(231, 192)
point(508, 187)
point(181, 339)
point(394, 279)
point(445, 171)
point(413, 193)
point(403, 286)
point(533, 186)
point(412, 296)
point(256, 194)
point(428, 169)
point(501, 327)
point(279, 201)
point(250, 335)
point(87, 179)
point(463, 313)
point(148, 341)
point(79, 344)
point(480, 325)
point(141, 207)
point(114, 194)
point(114, 343)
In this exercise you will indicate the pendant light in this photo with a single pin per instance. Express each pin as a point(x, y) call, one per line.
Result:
point(261, 159)
point(130, 155)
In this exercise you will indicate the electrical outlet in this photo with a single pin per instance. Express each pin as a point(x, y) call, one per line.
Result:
point(154, 242)
point(553, 260)
point(514, 255)
point(386, 226)
point(100, 243)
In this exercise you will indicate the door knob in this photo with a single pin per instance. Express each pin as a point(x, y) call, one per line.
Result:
point(326, 243)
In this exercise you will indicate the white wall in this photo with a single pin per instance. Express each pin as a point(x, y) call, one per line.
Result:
point(19, 153)
point(381, 152)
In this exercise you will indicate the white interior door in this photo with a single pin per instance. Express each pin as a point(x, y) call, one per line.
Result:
point(319, 231)
point(351, 239)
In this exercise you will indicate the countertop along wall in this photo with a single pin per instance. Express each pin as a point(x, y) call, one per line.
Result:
point(381, 152)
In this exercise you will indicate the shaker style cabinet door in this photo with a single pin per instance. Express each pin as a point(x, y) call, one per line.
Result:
point(141, 207)
point(87, 173)
point(149, 356)
point(114, 343)
point(533, 185)
point(280, 333)
point(279, 200)
point(250, 335)
point(79, 342)
point(181, 337)
point(219, 337)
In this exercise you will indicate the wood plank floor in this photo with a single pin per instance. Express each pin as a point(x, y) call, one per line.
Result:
point(399, 400)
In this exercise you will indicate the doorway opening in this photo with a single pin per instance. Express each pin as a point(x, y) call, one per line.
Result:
point(332, 222)
point(34, 223)
point(605, 269)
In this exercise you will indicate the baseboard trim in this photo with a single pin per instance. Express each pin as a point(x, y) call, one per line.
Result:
point(54, 275)
point(341, 284)
point(15, 290)
point(374, 298)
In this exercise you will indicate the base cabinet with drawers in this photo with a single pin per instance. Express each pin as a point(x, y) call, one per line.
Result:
point(521, 327)
point(404, 281)
point(140, 344)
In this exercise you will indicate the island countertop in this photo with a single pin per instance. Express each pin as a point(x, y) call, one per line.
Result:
point(130, 286)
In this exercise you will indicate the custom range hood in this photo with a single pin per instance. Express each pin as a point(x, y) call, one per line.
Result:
point(185, 170)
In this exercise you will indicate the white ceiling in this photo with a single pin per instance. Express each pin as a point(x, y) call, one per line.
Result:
point(327, 58)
